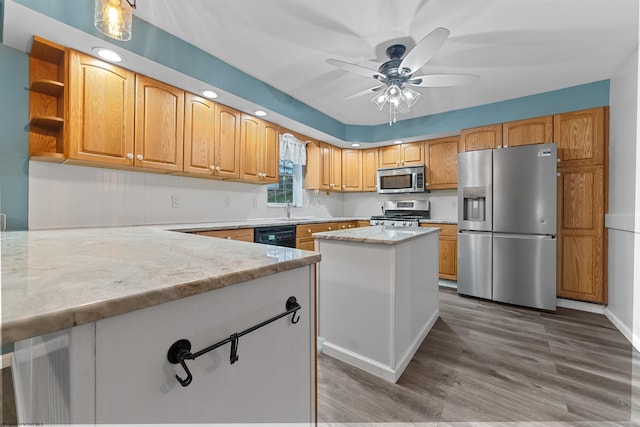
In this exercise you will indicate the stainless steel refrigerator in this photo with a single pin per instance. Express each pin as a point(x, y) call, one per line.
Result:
point(507, 225)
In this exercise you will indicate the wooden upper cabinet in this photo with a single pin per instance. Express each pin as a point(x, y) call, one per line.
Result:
point(199, 121)
point(227, 142)
point(538, 130)
point(401, 155)
point(580, 252)
point(441, 160)
point(259, 150)
point(101, 112)
point(330, 167)
point(351, 170)
point(159, 125)
point(369, 169)
point(480, 138)
point(580, 136)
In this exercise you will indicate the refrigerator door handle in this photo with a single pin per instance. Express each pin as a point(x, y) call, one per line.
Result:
point(525, 236)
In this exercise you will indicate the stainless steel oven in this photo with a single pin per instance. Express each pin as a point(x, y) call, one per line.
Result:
point(405, 179)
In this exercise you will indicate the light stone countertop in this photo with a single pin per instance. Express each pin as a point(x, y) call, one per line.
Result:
point(263, 222)
point(377, 234)
point(56, 279)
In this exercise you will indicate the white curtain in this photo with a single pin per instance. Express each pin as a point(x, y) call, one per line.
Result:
point(292, 149)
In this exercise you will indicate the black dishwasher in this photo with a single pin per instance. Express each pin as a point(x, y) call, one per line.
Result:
point(278, 235)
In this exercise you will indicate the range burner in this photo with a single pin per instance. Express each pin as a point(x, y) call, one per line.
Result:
point(402, 214)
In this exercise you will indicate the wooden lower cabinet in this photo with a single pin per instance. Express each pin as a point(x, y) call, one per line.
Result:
point(243, 234)
point(304, 232)
point(448, 250)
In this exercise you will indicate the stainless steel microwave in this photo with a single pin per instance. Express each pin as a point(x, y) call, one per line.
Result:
point(405, 179)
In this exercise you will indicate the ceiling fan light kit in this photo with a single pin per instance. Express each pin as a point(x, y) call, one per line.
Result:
point(397, 74)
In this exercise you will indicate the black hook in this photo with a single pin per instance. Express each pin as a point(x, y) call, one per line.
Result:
point(178, 352)
point(292, 303)
point(233, 357)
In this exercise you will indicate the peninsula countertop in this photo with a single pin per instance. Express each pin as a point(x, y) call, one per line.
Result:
point(377, 234)
point(56, 279)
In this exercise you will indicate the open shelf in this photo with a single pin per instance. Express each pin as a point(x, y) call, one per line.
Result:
point(48, 87)
point(48, 122)
point(43, 156)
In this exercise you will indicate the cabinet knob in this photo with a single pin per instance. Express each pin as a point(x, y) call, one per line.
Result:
point(212, 168)
point(344, 186)
point(228, 237)
point(139, 157)
point(426, 184)
point(130, 156)
point(217, 168)
point(309, 230)
point(329, 228)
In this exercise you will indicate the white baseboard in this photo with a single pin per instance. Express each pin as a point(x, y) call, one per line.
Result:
point(374, 367)
point(581, 305)
point(624, 329)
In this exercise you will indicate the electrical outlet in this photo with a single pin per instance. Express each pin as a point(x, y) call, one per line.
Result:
point(176, 201)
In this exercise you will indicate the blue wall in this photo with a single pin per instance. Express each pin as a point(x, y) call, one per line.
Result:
point(14, 136)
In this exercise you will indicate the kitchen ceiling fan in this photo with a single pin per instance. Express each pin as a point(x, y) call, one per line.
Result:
point(396, 76)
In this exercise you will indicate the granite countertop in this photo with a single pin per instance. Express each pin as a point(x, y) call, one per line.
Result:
point(56, 279)
point(377, 234)
point(263, 222)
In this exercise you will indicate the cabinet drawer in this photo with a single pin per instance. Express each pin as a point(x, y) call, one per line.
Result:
point(306, 230)
point(346, 224)
point(244, 234)
point(445, 229)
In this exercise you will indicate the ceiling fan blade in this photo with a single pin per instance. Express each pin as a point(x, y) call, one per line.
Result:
point(362, 93)
point(424, 50)
point(354, 68)
point(442, 80)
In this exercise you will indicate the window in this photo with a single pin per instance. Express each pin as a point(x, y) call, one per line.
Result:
point(289, 186)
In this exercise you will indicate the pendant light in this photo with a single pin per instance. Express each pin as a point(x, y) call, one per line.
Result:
point(113, 18)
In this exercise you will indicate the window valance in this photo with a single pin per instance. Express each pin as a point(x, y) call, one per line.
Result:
point(292, 149)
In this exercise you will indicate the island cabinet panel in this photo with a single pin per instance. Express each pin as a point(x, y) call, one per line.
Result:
point(199, 121)
point(101, 112)
point(227, 142)
point(272, 381)
point(580, 253)
point(580, 136)
point(369, 169)
point(481, 138)
point(159, 125)
point(538, 130)
point(441, 160)
point(351, 170)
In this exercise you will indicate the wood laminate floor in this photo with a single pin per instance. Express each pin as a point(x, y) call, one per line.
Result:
point(486, 364)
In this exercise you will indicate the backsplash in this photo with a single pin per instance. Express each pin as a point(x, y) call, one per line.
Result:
point(444, 203)
point(64, 196)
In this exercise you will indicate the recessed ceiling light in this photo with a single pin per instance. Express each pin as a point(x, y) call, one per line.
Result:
point(107, 55)
point(397, 142)
point(355, 145)
point(260, 113)
point(209, 94)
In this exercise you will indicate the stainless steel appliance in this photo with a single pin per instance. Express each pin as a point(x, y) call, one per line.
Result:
point(405, 179)
point(278, 235)
point(405, 213)
point(507, 225)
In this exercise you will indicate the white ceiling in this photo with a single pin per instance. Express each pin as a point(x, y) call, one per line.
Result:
point(517, 47)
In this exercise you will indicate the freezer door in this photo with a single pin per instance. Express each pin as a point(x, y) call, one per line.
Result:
point(524, 270)
point(474, 264)
point(475, 206)
point(524, 189)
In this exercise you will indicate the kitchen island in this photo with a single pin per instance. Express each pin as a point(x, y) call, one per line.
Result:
point(377, 295)
point(94, 312)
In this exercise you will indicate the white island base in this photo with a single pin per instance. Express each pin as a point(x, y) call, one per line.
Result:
point(378, 295)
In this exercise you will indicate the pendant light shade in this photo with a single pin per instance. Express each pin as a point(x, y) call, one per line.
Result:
point(113, 18)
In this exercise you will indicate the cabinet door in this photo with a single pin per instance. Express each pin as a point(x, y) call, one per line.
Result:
point(101, 111)
point(199, 120)
point(227, 142)
point(270, 153)
point(250, 136)
point(448, 257)
point(580, 259)
point(159, 125)
point(481, 138)
point(351, 170)
point(412, 154)
point(336, 168)
point(538, 130)
point(580, 137)
point(369, 169)
point(325, 166)
point(389, 156)
point(441, 156)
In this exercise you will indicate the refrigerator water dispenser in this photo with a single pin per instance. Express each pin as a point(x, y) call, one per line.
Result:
point(474, 203)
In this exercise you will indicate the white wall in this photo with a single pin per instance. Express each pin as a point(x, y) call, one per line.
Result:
point(62, 196)
point(624, 202)
point(444, 203)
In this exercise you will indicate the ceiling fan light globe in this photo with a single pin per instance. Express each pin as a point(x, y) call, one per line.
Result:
point(410, 96)
point(379, 100)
